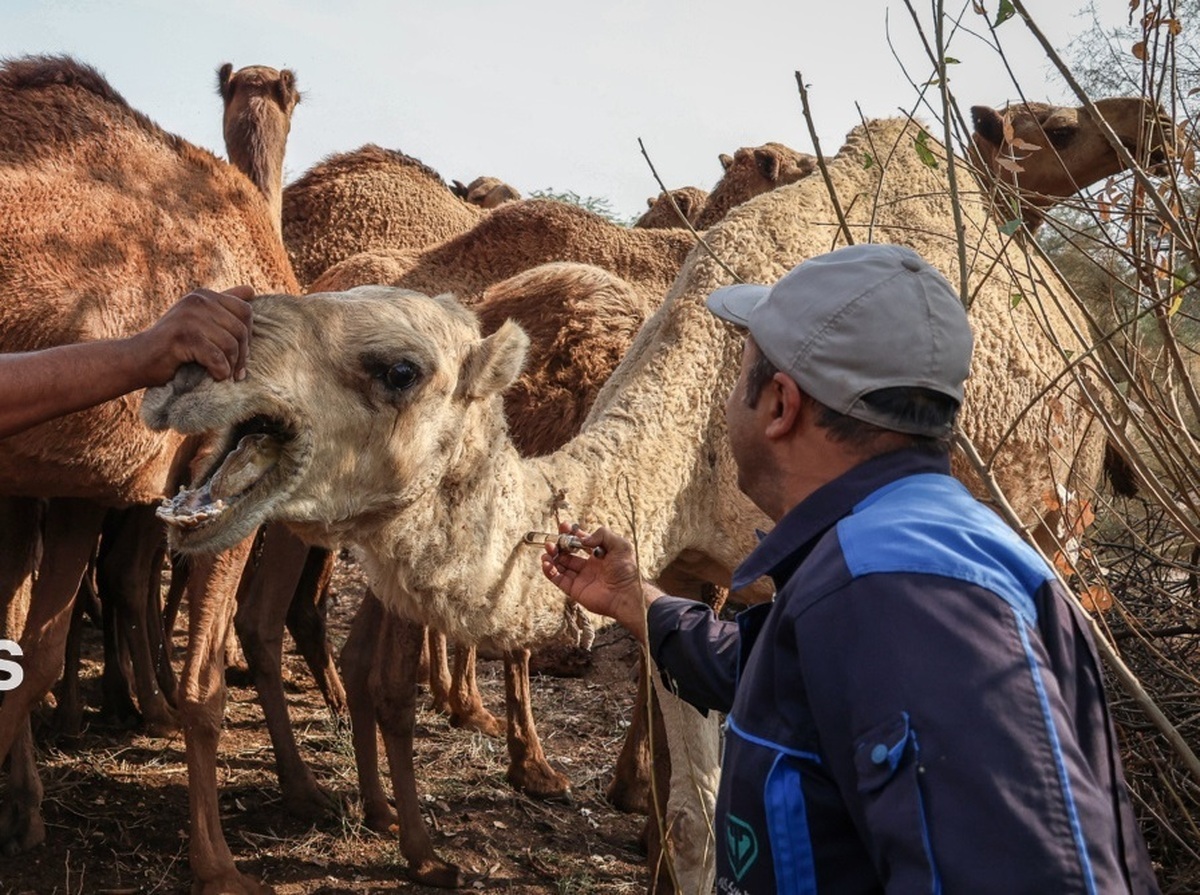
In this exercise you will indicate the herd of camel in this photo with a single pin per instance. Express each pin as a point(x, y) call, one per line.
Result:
point(437, 370)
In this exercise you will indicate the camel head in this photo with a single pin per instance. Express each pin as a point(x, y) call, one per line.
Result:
point(751, 171)
point(486, 192)
point(660, 212)
point(355, 405)
point(1051, 152)
point(259, 102)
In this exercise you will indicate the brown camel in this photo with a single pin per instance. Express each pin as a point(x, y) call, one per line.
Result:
point(749, 172)
point(1036, 148)
point(366, 200)
point(486, 192)
point(661, 213)
point(254, 136)
point(518, 236)
point(107, 219)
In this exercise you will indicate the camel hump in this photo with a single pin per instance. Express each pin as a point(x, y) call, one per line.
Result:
point(41, 72)
point(369, 157)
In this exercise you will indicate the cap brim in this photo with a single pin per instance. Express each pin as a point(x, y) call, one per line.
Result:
point(734, 303)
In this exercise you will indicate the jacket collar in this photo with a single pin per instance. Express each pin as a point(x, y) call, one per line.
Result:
point(790, 541)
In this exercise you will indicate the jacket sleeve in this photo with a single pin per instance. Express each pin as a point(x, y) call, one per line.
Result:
point(696, 652)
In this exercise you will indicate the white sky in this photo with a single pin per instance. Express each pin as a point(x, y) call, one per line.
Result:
point(546, 94)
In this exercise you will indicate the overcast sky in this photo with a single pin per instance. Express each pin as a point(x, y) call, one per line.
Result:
point(546, 94)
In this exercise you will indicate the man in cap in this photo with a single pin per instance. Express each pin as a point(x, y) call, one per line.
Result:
point(921, 708)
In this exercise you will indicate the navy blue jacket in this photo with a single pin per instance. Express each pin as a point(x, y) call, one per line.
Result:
point(921, 709)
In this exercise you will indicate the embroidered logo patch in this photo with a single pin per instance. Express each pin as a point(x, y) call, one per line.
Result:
point(742, 845)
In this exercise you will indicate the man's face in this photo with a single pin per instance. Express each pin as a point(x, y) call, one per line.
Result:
point(741, 421)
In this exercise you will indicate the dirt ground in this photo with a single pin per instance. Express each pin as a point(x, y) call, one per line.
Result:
point(116, 801)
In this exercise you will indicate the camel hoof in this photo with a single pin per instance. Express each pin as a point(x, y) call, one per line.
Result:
point(312, 803)
point(381, 820)
point(482, 721)
point(539, 781)
point(433, 872)
point(21, 830)
point(232, 884)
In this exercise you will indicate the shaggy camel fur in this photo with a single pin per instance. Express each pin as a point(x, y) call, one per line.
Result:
point(660, 212)
point(749, 172)
point(486, 192)
point(160, 216)
point(367, 200)
point(441, 538)
point(255, 137)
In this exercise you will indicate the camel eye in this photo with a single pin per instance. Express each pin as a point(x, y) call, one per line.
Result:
point(401, 376)
point(1060, 136)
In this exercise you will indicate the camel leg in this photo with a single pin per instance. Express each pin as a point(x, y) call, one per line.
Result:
point(127, 577)
point(435, 668)
point(70, 530)
point(68, 714)
point(466, 705)
point(629, 789)
point(393, 683)
point(21, 825)
point(307, 625)
point(357, 660)
point(263, 598)
point(693, 742)
point(211, 597)
point(528, 770)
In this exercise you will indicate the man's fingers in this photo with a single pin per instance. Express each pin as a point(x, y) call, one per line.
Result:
point(245, 293)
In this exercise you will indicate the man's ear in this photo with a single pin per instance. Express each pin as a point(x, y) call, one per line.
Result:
point(788, 406)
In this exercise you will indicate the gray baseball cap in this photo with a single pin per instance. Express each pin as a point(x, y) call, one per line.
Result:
point(859, 319)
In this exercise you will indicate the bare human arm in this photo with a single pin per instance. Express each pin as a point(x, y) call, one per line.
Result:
point(609, 584)
point(205, 327)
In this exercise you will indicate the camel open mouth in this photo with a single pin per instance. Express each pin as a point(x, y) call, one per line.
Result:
point(254, 449)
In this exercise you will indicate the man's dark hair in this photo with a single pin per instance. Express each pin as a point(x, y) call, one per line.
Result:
point(906, 405)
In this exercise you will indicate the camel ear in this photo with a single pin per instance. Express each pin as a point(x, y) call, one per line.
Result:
point(768, 164)
point(725, 160)
point(289, 96)
point(224, 73)
point(988, 124)
point(684, 202)
point(649, 201)
point(494, 363)
point(459, 189)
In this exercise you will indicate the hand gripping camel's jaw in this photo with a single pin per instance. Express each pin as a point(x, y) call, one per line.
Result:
point(252, 458)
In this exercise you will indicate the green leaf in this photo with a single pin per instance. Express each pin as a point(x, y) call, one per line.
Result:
point(950, 60)
point(1175, 305)
point(868, 161)
point(924, 153)
point(1005, 12)
point(1015, 299)
point(1011, 227)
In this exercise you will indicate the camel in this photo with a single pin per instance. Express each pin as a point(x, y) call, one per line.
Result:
point(486, 192)
point(518, 236)
point(441, 539)
point(258, 103)
point(660, 213)
point(749, 172)
point(367, 200)
point(1036, 148)
point(254, 137)
point(106, 220)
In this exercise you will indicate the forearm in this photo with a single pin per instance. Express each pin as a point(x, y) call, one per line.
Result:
point(40, 385)
point(696, 651)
